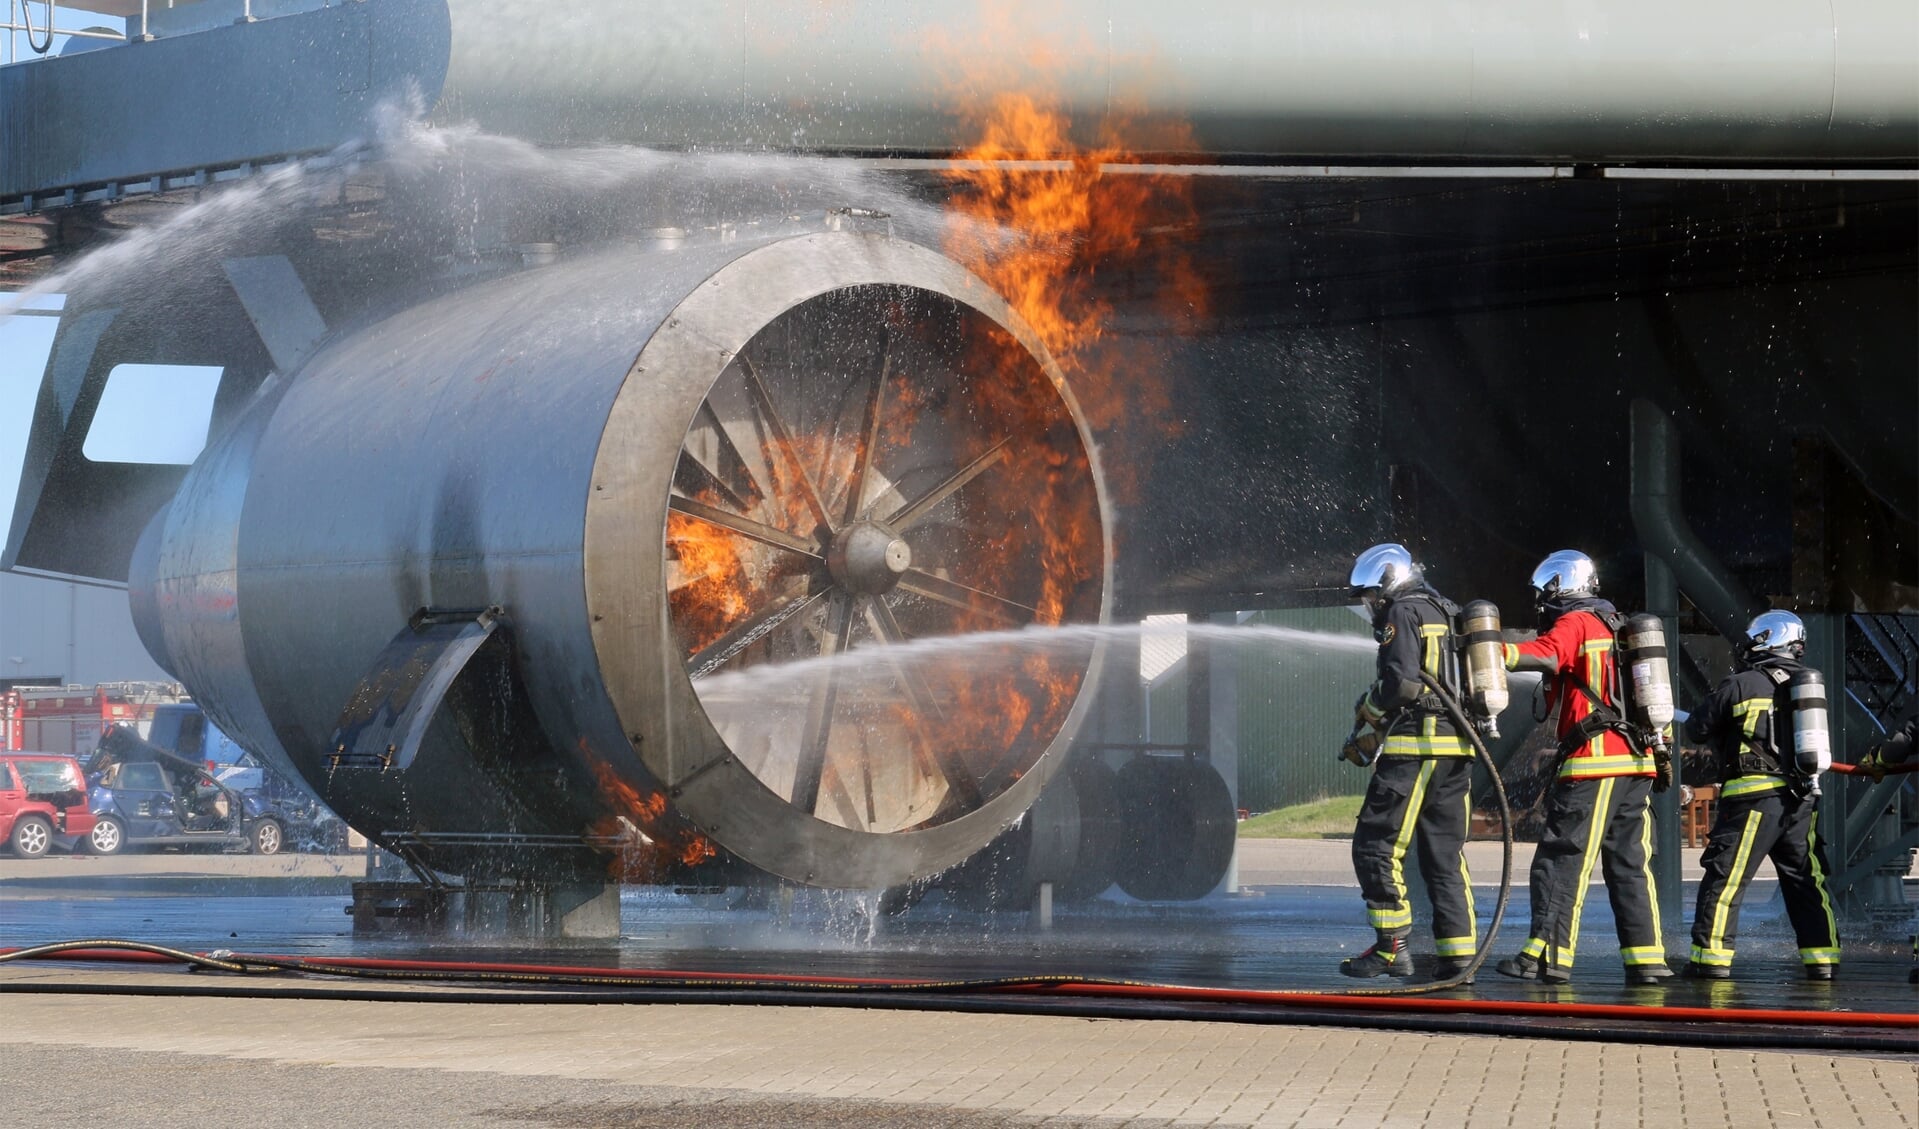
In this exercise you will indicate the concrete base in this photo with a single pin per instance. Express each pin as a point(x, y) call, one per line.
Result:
point(584, 911)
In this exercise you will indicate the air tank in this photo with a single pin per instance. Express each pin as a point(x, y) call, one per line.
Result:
point(1649, 704)
point(497, 575)
point(1486, 688)
point(1811, 725)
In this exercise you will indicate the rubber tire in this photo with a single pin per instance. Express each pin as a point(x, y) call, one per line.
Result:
point(267, 838)
point(1177, 829)
point(32, 836)
point(119, 842)
point(1095, 787)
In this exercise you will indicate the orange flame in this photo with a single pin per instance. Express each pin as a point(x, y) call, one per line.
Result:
point(651, 842)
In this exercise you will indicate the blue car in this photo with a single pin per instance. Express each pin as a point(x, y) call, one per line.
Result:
point(144, 796)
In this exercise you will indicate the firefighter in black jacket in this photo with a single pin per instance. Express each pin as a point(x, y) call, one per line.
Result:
point(1899, 748)
point(1420, 793)
point(1767, 807)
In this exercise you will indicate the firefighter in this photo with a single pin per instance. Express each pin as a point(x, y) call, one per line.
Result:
point(1420, 793)
point(1599, 810)
point(1896, 749)
point(1767, 807)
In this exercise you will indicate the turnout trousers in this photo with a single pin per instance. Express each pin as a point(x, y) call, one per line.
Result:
point(1605, 821)
point(1422, 803)
point(1774, 824)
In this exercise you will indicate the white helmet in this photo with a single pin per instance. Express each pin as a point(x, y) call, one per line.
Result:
point(1568, 572)
point(1781, 633)
point(1387, 567)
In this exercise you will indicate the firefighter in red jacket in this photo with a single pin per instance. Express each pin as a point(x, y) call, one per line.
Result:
point(1599, 811)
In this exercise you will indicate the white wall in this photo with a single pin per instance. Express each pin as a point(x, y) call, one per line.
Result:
point(78, 633)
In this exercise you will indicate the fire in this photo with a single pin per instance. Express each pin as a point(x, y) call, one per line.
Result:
point(651, 844)
point(1040, 218)
point(1047, 224)
point(713, 588)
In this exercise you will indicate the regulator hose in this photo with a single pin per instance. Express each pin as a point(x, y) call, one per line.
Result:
point(1457, 714)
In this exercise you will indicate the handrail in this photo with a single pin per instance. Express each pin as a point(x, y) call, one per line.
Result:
point(20, 18)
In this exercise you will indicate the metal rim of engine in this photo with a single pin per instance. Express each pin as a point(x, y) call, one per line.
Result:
point(625, 567)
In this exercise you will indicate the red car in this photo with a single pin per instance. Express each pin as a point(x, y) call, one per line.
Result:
point(43, 802)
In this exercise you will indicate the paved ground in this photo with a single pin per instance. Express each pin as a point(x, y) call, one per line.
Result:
point(1297, 917)
point(247, 1063)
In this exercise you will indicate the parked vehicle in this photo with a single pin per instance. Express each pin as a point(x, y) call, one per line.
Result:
point(144, 796)
point(43, 803)
point(310, 824)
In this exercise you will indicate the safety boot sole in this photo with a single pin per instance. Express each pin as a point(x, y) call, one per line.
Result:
point(1526, 968)
point(1360, 968)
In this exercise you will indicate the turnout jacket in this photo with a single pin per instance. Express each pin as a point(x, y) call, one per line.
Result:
point(1577, 646)
point(1414, 632)
point(1739, 724)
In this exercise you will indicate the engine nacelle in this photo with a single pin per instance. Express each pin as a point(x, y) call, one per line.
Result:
point(497, 575)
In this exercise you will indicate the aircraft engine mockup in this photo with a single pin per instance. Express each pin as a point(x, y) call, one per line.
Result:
point(495, 574)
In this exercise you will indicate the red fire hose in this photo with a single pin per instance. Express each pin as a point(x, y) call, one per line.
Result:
point(1888, 770)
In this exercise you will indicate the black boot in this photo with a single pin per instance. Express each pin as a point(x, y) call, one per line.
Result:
point(1641, 975)
point(1449, 967)
point(1389, 956)
point(1697, 971)
point(1821, 971)
point(1523, 967)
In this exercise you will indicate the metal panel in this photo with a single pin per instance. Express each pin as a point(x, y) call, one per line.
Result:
point(1774, 82)
point(1295, 707)
point(277, 303)
point(252, 92)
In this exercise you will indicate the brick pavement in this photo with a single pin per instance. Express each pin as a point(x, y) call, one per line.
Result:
point(633, 1065)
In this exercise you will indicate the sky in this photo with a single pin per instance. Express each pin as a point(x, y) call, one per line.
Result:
point(147, 414)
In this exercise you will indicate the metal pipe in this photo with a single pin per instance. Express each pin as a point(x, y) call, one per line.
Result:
point(1662, 600)
point(1647, 81)
point(1663, 531)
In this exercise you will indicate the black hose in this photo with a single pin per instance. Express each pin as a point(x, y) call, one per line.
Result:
point(1716, 1035)
point(1480, 753)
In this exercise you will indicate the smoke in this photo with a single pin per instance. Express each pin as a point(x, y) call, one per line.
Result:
point(480, 193)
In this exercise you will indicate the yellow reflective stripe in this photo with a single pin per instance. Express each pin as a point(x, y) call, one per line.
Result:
point(1581, 768)
point(1752, 784)
point(1602, 811)
point(1729, 896)
point(1431, 633)
point(1643, 954)
point(1652, 887)
point(1465, 872)
point(1401, 842)
point(1750, 710)
point(1425, 745)
point(1534, 948)
point(1819, 880)
point(1819, 956)
point(1390, 919)
point(1721, 957)
point(1454, 946)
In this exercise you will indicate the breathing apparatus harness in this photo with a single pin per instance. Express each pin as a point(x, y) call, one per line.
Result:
point(1362, 747)
point(1638, 712)
point(1799, 710)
